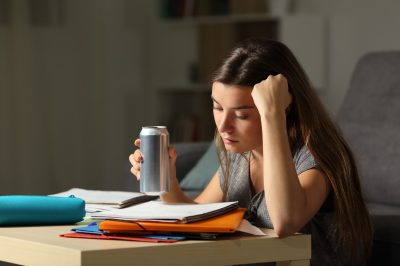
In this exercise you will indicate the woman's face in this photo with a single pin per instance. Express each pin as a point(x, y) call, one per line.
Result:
point(236, 117)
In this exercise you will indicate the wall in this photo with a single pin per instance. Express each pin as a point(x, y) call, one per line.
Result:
point(72, 98)
point(355, 28)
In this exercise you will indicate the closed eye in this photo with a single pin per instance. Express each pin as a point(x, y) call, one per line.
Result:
point(242, 117)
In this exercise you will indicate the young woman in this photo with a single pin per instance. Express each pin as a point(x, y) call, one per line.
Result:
point(281, 156)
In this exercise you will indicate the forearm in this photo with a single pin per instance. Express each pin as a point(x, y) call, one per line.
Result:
point(175, 193)
point(284, 196)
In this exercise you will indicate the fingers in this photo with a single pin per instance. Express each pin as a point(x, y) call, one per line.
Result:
point(135, 159)
point(172, 155)
point(172, 161)
point(272, 94)
point(137, 143)
point(136, 173)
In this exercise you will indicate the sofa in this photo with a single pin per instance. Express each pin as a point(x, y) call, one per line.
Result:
point(370, 120)
point(195, 165)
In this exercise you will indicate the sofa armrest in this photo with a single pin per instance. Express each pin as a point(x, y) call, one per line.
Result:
point(189, 153)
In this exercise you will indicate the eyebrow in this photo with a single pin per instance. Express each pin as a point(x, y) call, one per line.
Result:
point(237, 107)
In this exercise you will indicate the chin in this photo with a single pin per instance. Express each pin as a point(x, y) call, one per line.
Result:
point(241, 148)
point(234, 149)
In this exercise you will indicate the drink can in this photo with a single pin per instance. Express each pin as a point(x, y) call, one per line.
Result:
point(154, 169)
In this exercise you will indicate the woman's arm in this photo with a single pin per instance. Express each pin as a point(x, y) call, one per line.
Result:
point(175, 193)
point(212, 193)
point(291, 200)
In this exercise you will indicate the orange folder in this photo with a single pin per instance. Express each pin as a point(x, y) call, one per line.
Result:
point(225, 223)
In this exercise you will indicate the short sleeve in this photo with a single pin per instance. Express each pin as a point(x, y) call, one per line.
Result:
point(304, 160)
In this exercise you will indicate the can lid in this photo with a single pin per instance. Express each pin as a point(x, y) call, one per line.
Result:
point(153, 130)
point(154, 127)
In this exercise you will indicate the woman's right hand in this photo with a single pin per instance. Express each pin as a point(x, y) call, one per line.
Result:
point(175, 193)
point(136, 158)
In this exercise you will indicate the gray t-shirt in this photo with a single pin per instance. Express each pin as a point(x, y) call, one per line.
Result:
point(324, 251)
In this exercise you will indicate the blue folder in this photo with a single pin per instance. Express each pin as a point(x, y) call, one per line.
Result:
point(40, 210)
point(93, 228)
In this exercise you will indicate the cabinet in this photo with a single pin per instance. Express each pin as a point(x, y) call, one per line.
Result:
point(219, 29)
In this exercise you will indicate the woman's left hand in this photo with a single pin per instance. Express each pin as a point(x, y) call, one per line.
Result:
point(272, 96)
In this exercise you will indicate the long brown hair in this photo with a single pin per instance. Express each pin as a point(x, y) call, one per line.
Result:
point(308, 123)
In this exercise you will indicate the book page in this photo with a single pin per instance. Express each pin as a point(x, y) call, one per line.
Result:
point(246, 227)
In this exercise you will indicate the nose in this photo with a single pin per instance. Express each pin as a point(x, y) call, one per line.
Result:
point(225, 123)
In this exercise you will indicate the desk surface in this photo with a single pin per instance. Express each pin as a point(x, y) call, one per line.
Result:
point(42, 245)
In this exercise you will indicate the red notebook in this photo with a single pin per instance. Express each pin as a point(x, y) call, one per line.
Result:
point(112, 237)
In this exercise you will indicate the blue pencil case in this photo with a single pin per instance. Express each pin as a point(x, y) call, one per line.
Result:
point(40, 210)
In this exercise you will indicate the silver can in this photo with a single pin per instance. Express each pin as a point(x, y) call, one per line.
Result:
point(154, 169)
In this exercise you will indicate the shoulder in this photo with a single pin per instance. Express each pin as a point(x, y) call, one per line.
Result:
point(304, 160)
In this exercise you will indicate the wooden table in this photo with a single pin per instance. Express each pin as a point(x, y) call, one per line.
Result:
point(41, 245)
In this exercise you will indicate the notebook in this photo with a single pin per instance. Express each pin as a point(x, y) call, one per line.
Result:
point(173, 212)
point(106, 200)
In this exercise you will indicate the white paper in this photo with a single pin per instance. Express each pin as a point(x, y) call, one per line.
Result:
point(246, 227)
point(157, 210)
point(92, 208)
point(99, 196)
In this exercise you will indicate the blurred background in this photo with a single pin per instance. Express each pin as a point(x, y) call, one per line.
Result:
point(78, 78)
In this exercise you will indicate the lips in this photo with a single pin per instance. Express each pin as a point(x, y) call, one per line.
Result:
point(229, 141)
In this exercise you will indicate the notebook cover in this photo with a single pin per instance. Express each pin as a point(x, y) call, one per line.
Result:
point(225, 223)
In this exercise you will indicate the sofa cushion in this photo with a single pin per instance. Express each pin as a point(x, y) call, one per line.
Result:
point(370, 121)
point(201, 173)
point(189, 153)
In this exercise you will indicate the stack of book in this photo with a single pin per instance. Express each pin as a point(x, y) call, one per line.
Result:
point(157, 221)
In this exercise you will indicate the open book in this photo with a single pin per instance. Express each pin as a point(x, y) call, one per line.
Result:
point(106, 200)
point(167, 212)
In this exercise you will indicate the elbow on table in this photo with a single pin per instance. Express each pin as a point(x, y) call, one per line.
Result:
point(284, 229)
point(282, 233)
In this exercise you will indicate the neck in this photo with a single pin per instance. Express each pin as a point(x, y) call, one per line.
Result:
point(257, 155)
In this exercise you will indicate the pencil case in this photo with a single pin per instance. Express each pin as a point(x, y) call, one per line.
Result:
point(40, 210)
